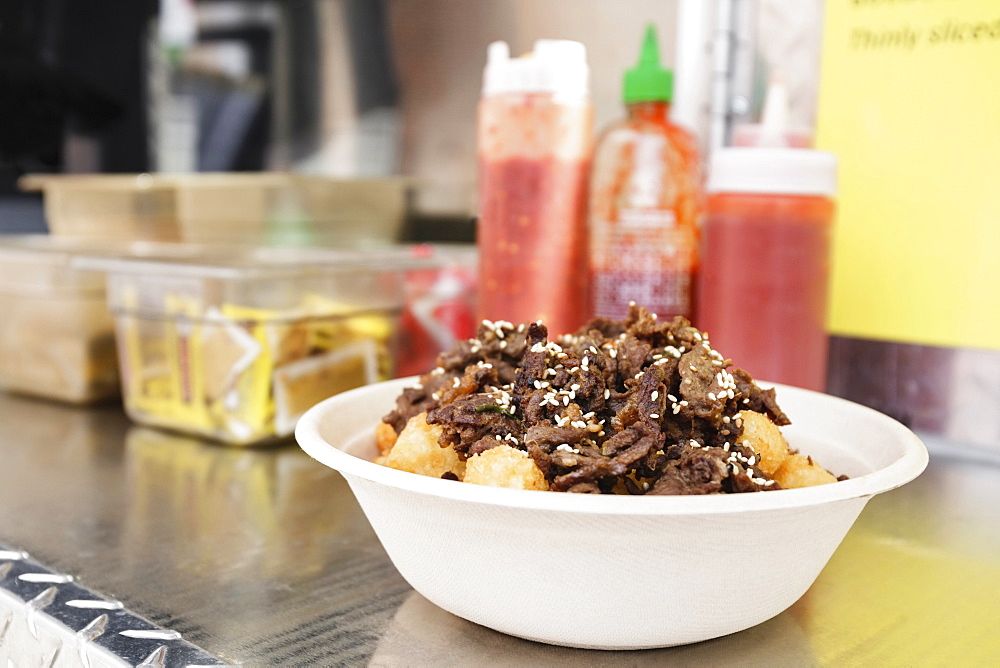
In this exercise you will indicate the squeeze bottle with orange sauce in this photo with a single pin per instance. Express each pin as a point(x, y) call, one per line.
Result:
point(645, 201)
point(765, 261)
point(534, 142)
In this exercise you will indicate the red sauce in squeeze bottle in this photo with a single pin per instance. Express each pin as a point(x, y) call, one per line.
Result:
point(765, 257)
point(534, 142)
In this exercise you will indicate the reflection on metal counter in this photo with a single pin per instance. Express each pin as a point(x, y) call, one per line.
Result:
point(262, 557)
point(241, 503)
point(423, 634)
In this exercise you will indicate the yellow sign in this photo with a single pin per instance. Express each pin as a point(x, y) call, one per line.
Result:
point(910, 103)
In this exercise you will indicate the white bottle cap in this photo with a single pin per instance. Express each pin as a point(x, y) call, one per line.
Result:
point(556, 66)
point(784, 171)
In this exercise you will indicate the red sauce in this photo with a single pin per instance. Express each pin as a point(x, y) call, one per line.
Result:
point(532, 239)
point(645, 201)
point(763, 284)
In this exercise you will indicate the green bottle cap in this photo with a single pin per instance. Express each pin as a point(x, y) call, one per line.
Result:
point(648, 81)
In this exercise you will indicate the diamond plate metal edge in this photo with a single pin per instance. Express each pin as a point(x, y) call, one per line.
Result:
point(47, 619)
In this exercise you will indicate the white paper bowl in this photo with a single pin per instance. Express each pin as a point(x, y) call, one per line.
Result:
point(615, 572)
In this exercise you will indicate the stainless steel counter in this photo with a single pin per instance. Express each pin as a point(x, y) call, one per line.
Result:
point(262, 557)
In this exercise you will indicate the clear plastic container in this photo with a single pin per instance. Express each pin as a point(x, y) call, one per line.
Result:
point(766, 259)
point(263, 208)
point(235, 344)
point(56, 333)
point(280, 209)
point(134, 207)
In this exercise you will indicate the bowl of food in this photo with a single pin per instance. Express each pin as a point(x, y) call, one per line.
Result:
point(620, 488)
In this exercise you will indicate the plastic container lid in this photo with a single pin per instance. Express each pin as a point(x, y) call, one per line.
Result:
point(555, 66)
point(787, 171)
point(648, 81)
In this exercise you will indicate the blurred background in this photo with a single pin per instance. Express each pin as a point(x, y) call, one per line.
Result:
point(350, 88)
point(382, 96)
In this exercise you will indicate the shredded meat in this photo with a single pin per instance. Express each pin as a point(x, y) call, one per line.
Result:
point(636, 406)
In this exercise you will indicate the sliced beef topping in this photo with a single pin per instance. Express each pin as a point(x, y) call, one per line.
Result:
point(637, 406)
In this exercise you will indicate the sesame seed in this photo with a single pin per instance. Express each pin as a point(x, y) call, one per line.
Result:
point(607, 393)
point(655, 416)
point(711, 396)
point(654, 396)
point(671, 397)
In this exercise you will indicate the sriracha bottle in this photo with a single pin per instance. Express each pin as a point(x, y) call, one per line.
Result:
point(645, 201)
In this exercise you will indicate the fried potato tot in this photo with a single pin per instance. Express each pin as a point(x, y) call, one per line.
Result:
point(766, 440)
point(417, 451)
point(801, 471)
point(385, 437)
point(504, 466)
